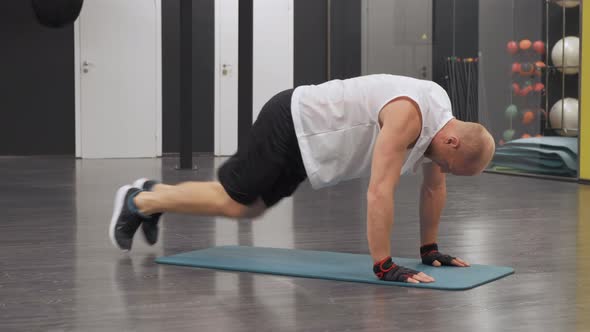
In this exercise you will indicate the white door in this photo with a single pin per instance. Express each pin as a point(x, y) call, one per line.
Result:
point(397, 37)
point(226, 76)
point(119, 80)
point(272, 50)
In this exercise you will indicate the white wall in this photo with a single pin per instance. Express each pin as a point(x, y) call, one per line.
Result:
point(272, 50)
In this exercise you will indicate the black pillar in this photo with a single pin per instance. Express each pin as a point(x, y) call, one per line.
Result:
point(186, 84)
point(246, 23)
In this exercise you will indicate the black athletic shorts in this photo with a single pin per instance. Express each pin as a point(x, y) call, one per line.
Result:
point(269, 164)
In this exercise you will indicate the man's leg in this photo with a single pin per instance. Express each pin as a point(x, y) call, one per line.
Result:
point(264, 170)
point(249, 182)
point(199, 198)
point(135, 207)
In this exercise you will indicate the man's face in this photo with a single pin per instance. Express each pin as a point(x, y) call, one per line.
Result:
point(455, 164)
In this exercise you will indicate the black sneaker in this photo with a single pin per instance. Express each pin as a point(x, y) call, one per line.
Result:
point(124, 222)
point(149, 226)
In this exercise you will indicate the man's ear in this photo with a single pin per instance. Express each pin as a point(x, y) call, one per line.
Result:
point(453, 141)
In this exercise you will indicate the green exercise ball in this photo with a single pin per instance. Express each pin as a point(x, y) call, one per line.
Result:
point(511, 111)
point(508, 135)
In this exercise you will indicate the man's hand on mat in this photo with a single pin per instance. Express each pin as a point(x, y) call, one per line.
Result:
point(455, 262)
point(387, 270)
point(431, 256)
point(420, 277)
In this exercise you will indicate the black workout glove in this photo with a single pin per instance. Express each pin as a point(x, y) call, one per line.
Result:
point(429, 254)
point(387, 270)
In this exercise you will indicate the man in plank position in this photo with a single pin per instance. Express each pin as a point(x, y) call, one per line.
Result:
point(378, 125)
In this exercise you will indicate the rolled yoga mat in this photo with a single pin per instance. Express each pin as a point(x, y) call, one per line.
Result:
point(330, 266)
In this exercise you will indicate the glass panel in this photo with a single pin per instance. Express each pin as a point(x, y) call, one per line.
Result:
point(398, 38)
point(528, 84)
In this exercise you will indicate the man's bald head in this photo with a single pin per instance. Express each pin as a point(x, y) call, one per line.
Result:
point(462, 148)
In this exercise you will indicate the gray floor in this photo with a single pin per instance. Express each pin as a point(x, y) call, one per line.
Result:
point(58, 271)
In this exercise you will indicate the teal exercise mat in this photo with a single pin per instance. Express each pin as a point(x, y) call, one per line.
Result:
point(529, 170)
point(330, 266)
point(533, 154)
point(532, 166)
point(556, 156)
point(567, 144)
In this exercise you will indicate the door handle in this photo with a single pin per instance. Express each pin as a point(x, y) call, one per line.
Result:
point(86, 65)
point(226, 69)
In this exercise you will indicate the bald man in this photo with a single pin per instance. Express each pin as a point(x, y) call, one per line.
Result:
point(378, 125)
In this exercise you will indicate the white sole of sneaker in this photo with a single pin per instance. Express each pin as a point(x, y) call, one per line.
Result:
point(119, 201)
point(139, 183)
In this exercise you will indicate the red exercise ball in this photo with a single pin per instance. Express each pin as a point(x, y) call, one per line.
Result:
point(515, 89)
point(528, 117)
point(525, 91)
point(516, 67)
point(539, 87)
point(525, 44)
point(539, 47)
point(540, 66)
point(512, 47)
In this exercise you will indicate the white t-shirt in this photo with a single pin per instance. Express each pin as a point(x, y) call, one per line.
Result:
point(337, 123)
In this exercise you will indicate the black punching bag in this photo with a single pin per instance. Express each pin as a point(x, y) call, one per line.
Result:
point(57, 13)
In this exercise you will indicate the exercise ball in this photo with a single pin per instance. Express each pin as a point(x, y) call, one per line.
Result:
point(528, 117)
point(566, 110)
point(512, 47)
point(525, 44)
point(511, 111)
point(516, 68)
point(508, 135)
point(539, 46)
point(57, 13)
point(527, 69)
point(568, 3)
point(526, 90)
point(516, 89)
point(570, 48)
point(540, 67)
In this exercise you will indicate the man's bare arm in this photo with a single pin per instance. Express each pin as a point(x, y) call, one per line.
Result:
point(401, 127)
point(433, 196)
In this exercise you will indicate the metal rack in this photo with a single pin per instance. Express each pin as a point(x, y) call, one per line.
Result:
point(551, 69)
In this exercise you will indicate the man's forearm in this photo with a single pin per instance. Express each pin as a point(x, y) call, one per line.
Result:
point(432, 202)
point(379, 225)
